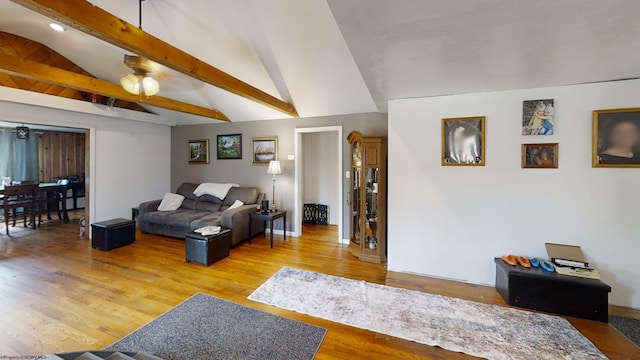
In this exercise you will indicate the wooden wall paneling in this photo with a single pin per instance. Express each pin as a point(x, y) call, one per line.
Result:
point(61, 154)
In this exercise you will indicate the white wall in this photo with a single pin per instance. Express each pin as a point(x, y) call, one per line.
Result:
point(132, 158)
point(452, 221)
point(320, 175)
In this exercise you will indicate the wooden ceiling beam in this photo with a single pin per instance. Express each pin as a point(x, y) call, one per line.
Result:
point(32, 70)
point(88, 18)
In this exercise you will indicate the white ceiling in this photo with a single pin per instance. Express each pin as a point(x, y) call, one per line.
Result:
point(332, 57)
point(420, 48)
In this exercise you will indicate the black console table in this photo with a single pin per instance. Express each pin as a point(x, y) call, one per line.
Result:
point(540, 290)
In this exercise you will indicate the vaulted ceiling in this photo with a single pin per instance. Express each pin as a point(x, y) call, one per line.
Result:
point(27, 49)
point(329, 57)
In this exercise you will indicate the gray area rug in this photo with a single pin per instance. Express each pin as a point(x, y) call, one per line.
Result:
point(205, 327)
point(627, 326)
point(488, 331)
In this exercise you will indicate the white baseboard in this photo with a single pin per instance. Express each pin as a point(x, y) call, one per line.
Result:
point(293, 234)
point(279, 232)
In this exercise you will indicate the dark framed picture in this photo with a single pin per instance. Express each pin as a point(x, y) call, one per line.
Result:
point(229, 146)
point(616, 138)
point(463, 141)
point(265, 149)
point(199, 151)
point(537, 117)
point(540, 156)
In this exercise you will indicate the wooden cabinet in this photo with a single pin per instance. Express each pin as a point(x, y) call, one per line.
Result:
point(368, 189)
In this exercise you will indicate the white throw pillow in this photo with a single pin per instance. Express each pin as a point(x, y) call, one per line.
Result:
point(170, 202)
point(215, 189)
point(236, 204)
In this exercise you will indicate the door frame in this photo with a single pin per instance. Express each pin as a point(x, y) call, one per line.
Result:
point(298, 203)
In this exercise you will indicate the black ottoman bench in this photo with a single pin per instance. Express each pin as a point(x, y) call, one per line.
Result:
point(207, 249)
point(540, 290)
point(110, 234)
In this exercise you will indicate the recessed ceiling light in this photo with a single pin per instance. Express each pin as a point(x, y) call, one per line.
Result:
point(57, 27)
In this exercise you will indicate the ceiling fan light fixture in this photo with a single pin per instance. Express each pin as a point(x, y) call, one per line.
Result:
point(131, 84)
point(150, 86)
point(140, 82)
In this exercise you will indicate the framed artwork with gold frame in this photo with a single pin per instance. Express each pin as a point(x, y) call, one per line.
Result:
point(540, 156)
point(264, 149)
point(616, 138)
point(463, 141)
point(199, 151)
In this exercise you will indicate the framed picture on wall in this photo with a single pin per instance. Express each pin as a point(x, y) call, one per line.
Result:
point(537, 117)
point(265, 149)
point(463, 141)
point(229, 146)
point(199, 151)
point(540, 156)
point(616, 138)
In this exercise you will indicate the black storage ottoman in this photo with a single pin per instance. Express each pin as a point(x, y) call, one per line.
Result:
point(110, 234)
point(207, 249)
point(554, 293)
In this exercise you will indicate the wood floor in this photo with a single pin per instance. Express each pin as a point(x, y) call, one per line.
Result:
point(57, 294)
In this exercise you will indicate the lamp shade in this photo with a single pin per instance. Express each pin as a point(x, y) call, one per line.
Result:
point(131, 84)
point(150, 86)
point(274, 168)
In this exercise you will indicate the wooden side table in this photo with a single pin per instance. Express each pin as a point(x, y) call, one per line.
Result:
point(270, 217)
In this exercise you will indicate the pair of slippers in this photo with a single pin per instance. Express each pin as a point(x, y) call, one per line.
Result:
point(514, 260)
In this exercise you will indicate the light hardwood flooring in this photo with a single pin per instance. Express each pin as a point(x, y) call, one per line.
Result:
point(57, 294)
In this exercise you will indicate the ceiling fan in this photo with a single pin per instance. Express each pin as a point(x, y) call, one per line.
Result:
point(140, 82)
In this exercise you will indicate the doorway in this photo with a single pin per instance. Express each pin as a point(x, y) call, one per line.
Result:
point(60, 153)
point(318, 173)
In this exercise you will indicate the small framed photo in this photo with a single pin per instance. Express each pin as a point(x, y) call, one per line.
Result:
point(537, 117)
point(616, 138)
point(199, 151)
point(229, 146)
point(540, 156)
point(264, 150)
point(463, 141)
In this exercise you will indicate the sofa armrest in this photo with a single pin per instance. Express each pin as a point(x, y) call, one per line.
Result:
point(149, 206)
point(238, 220)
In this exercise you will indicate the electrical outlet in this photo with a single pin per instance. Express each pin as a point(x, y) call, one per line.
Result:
point(347, 174)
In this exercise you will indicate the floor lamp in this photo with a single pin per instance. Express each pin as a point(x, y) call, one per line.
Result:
point(274, 169)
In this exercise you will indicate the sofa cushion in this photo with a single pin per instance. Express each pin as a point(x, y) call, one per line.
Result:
point(208, 206)
point(180, 217)
point(170, 202)
point(186, 190)
point(248, 195)
point(211, 219)
point(236, 204)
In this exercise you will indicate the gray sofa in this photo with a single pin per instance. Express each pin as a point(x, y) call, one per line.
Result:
point(196, 212)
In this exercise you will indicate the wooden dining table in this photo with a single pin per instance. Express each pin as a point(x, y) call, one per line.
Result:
point(50, 190)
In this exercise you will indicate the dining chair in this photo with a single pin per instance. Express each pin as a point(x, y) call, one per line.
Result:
point(20, 197)
point(51, 200)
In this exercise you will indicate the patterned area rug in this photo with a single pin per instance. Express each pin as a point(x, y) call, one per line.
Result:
point(488, 331)
point(206, 327)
